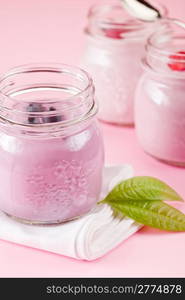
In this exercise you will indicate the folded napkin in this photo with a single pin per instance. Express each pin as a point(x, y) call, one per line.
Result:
point(88, 237)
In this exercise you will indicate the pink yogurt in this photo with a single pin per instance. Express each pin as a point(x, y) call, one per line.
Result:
point(51, 180)
point(160, 119)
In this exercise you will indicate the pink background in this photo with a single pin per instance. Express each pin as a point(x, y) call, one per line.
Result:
point(51, 30)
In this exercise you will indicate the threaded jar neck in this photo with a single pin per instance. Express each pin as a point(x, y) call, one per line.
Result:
point(165, 50)
point(112, 22)
point(44, 98)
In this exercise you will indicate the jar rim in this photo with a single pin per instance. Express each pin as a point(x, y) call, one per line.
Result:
point(151, 41)
point(163, 48)
point(82, 103)
point(48, 67)
point(133, 26)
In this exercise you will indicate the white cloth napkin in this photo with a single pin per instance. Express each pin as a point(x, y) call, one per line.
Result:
point(88, 237)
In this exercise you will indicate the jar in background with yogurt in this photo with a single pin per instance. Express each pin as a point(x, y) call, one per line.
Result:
point(115, 45)
point(160, 96)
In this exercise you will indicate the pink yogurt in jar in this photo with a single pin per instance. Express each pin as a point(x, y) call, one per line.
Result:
point(114, 48)
point(160, 96)
point(51, 149)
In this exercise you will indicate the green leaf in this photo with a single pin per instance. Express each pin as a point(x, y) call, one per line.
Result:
point(142, 188)
point(156, 214)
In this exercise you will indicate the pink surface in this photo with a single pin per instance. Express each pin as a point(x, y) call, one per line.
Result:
point(52, 31)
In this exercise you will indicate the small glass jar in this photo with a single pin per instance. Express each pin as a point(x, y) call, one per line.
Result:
point(115, 45)
point(160, 96)
point(51, 150)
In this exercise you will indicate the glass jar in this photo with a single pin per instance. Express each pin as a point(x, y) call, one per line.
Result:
point(115, 45)
point(51, 150)
point(160, 96)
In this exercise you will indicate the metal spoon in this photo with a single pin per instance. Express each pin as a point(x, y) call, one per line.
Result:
point(144, 11)
point(141, 9)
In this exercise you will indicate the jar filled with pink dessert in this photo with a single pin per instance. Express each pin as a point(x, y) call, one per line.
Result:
point(114, 47)
point(160, 95)
point(51, 149)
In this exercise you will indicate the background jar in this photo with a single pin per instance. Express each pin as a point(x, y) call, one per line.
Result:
point(160, 96)
point(51, 150)
point(115, 45)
